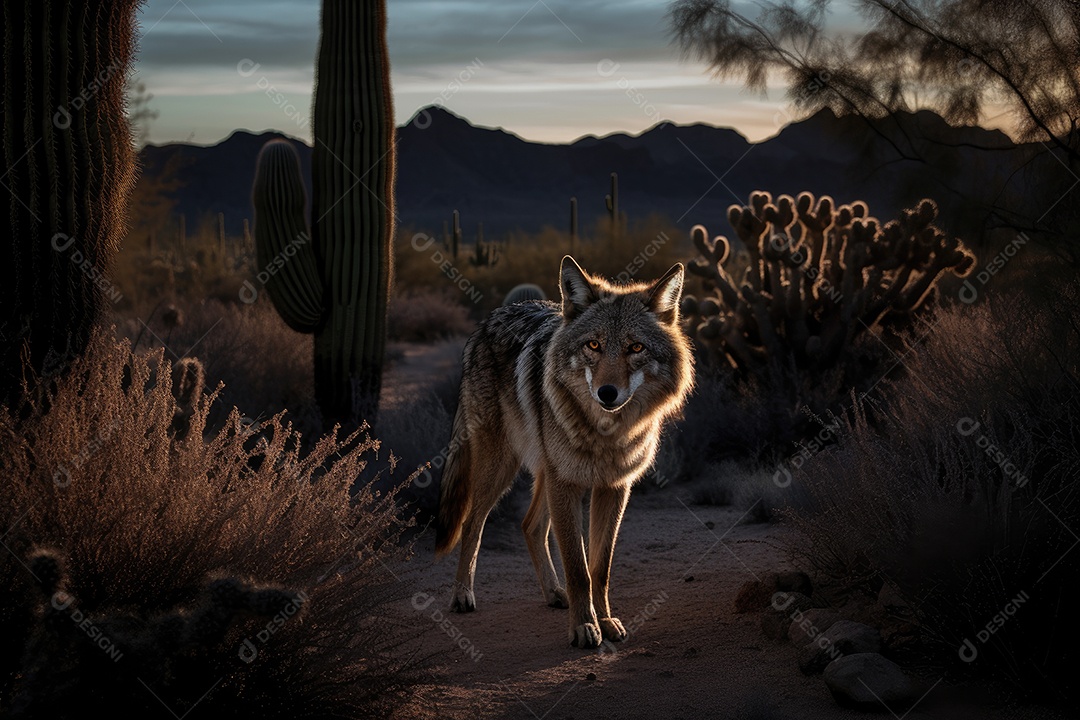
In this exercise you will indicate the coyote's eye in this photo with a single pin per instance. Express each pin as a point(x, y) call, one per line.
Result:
point(636, 348)
point(593, 345)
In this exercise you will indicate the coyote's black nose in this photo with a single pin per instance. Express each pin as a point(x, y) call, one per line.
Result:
point(608, 394)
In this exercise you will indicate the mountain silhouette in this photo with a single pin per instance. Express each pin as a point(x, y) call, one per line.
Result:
point(687, 173)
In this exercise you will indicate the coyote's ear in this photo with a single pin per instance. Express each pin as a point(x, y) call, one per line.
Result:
point(665, 294)
point(576, 287)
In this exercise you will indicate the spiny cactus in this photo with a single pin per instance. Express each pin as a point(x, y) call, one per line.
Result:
point(523, 293)
point(484, 254)
point(816, 278)
point(188, 379)
point(573, 225)
point(333, 278)
point(68, 166)
point(452, 237)
point(611, 200)
point(72, 653)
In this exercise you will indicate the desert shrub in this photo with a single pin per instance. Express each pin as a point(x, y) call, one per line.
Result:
point(820, 285)
point(173, 265)
point(265, 367)
point(426, 315)
point(963, 494)
point(179, 550)
point(720, 422)
point(643, 252)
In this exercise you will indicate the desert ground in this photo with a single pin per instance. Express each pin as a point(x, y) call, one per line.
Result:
point(678, 568)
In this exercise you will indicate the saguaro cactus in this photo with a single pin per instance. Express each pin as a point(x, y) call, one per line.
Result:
point(612, 202)
point(455, 239)
point(573, 224)
point(333, 279)
point(67, 159)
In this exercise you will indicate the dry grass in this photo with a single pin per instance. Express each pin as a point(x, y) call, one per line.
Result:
point(142, 522)
point(427, 315)
point(265, 366)
point(645, 251)
point(914, 498)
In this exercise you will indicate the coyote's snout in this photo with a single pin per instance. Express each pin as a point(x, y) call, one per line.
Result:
point(577, 393)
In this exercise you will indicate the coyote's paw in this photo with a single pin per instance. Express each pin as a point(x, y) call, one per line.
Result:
point(464, 601)
point(612, 629)
point(556, 598)
point(585, 636)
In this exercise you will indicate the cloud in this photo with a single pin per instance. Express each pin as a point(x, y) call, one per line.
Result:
point(528, 56)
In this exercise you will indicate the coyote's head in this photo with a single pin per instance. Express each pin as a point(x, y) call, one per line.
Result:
point(620, 348)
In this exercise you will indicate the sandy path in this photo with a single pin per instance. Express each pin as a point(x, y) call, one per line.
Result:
point(677, 569)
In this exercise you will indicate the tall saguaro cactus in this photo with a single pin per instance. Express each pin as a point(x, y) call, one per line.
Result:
point(332, 279)
point(67, 164)
point(611, 200)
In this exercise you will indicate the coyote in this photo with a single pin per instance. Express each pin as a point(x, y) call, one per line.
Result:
point(577, 394)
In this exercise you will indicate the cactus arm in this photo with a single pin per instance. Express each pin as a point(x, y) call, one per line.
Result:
point(282, 240)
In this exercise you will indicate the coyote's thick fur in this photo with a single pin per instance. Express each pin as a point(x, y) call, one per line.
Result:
point(577, 394)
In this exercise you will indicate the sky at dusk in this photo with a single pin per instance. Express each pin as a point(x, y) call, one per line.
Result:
point(548, 70)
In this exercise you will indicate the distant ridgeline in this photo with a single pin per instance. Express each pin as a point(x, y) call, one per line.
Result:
point(688, 173)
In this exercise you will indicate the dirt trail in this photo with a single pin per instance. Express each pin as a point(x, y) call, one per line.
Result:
point(676, 572)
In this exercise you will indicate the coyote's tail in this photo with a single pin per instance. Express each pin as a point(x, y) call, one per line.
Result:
point(455, 496)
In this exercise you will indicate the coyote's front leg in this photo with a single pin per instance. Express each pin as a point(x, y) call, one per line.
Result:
point(564, 502)
point(605, 517)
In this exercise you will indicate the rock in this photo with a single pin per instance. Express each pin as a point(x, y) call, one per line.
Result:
point(782, 610)
point(808, 624)
point(899, 636)
point(891, 601)
point(868, 681)
point(794, 581)
point(844, 637)
point(756, 595)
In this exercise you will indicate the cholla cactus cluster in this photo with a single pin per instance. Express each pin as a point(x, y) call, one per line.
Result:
point(73, 654)
point(817, 276)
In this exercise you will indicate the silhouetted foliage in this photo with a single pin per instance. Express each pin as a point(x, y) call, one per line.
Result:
point(957, 58)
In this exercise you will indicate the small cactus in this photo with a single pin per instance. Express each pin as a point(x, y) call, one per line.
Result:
point(188, 380)
point(73, 653)
point(485, 254)
point(573, 225)
point(611, 200)
point(524, 292)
